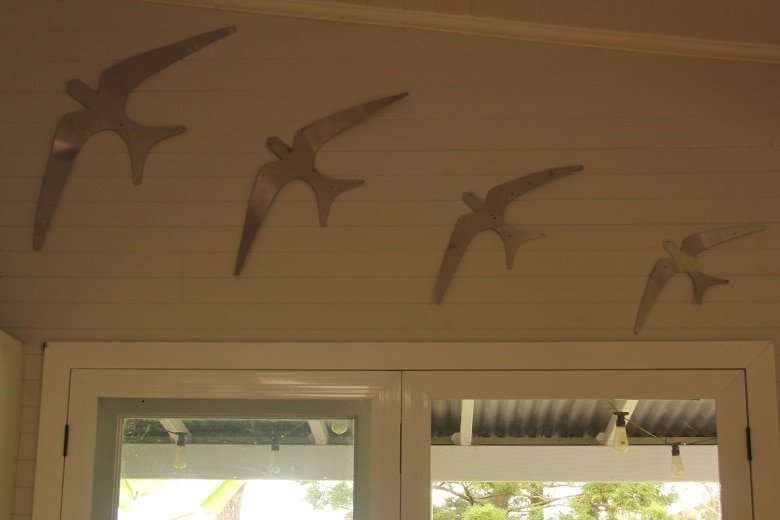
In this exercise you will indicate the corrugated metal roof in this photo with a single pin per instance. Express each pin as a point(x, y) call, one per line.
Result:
point(685, 418)
point(493, 421)
point(576, 421)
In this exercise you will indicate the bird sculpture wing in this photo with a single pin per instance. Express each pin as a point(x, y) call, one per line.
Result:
point(462, 234)
point(308, 140)
point(269, 180)
point(698, 242)
point(118, 80)
point(490, 215)
point(694, 244)
point(499, 196)
point(313, 136)
point(663, 269)
point(72, 132)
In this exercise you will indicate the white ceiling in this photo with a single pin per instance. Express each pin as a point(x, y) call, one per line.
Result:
point(726, 29)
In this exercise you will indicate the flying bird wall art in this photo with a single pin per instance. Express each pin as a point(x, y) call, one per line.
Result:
point(105, 109)
point(489, 215)
point(683, 259)
point(297, 162)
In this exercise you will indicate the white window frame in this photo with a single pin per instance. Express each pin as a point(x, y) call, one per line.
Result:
point(378, 482)
point(727, 387)
point(753, 358)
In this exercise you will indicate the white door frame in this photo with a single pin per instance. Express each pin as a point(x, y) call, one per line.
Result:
point(754, 358)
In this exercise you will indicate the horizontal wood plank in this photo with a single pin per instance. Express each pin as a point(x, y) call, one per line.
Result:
point(553, 316)
point(106, 156)
point(435, 186)
point(349, 212)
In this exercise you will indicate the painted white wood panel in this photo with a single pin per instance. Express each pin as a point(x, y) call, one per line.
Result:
point(591, 185)
point(329, 318)
point(345, 211)
point(353, 238)
point(711, 29)
point(11, 373)
point(476, 134)
point(666, 113)
point(554, 96)
point(670, 146)
point(630, 164)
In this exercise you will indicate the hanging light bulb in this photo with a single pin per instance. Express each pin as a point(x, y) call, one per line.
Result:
point(180, 453)
point(339, 426)
point(620, 443)
point(275, 460)
point(678, 469)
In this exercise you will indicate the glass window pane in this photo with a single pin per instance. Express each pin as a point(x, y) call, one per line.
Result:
point(558, 458)
point(232, 465)
point(237, 468)
point(238, 448)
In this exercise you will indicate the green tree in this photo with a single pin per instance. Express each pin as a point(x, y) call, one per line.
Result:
point(621, 501)
point(522, 500)
point(527, 500)
point(485, 512)
point(335, 496)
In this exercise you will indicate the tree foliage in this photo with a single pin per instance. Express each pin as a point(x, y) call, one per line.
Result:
point(527, 499)
point(538, 501)
point(621, 501)
point(335, 496)
point(485, 512)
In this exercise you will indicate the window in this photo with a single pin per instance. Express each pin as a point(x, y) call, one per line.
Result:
point(183, 457)
point(390, 391)
point(516, 463)
point(547, 457)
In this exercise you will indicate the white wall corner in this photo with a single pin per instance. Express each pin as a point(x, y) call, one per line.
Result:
point(11, 366)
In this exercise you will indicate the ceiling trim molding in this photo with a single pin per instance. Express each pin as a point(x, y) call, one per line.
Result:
point(492, 27)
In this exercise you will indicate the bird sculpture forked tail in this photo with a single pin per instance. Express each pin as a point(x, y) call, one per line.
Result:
point(683, 259)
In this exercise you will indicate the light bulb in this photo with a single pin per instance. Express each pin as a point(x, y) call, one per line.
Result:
point(620, 443)
point(678, 468)
point(275, 460)
point(180, 453)
point(339, 426)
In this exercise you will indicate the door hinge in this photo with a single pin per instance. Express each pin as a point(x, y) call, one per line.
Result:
point(65, 441)
point(401, 451)
point(749, 444)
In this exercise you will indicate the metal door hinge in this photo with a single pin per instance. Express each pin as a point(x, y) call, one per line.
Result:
point(749, 444)
point(65, 441)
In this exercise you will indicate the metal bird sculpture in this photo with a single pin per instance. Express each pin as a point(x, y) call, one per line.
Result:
point(683, 260)
point(489, 214)
point(105, 109)
point(296, 162)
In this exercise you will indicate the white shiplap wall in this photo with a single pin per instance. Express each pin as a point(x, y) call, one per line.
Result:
point(670, 146)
